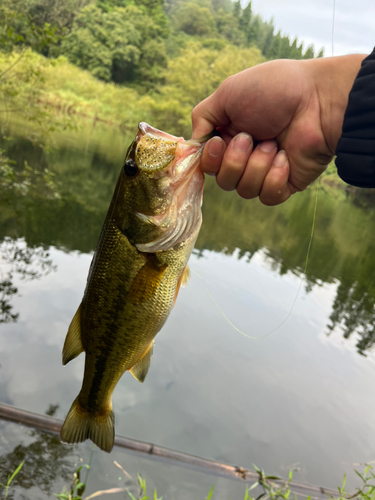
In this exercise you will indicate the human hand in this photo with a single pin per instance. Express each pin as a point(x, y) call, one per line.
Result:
point(295, 109)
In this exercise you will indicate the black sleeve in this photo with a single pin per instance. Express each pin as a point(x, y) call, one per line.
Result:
point(356, 148)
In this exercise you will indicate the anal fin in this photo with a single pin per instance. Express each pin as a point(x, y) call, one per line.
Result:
point(140, 369)
point(73, 343)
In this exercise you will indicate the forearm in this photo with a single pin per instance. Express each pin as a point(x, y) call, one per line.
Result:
point(333, 78)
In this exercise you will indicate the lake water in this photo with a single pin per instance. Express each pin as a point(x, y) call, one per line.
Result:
point(300, 397)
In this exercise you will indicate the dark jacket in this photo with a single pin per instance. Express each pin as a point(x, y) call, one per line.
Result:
point(356, 148)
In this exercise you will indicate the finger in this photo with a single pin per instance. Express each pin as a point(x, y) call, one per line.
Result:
point(256, 170)
point(276, 188)
point(212, 156)
point(208, 115)
point(225, 135)
point(234, 161)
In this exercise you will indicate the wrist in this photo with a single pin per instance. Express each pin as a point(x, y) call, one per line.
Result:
point(333, 78)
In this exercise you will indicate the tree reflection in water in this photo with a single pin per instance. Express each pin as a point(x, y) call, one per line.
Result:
point(28, 263)
point(80, 187)
point(46, 462)
point(354, 306)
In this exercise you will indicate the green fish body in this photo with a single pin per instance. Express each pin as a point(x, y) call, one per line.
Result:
point(138, 267)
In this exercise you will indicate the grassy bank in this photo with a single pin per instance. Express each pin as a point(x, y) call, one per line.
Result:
point(38, 88)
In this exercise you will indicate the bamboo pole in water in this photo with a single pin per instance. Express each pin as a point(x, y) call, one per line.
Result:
point(53, 425)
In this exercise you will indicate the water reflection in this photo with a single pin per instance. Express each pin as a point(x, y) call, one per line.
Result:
point(28, 263)
point(45, 462)
point(354, 312)
point(342, 250)
point(243, 248)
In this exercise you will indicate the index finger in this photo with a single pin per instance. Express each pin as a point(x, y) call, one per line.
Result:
point(208, 115)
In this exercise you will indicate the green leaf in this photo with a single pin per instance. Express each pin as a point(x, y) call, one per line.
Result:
point(360, 475)
point(290, 475)
point(15, 472)
point(254, 485)
point(210, 493)
point(246, 494)
point(156, 495)
point(256, 468)
point(273, 477)
point(260, 496)
point(343, 481)
point(142, 483)
point(131, 496)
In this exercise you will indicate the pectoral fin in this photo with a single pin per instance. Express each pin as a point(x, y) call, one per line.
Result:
point(140, 369)
point(182, 282)
point(185, 277)
point(146, 282)
point(73, 343)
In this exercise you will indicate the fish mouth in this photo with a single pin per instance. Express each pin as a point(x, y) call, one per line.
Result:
point(156, 150)
point(183, 217)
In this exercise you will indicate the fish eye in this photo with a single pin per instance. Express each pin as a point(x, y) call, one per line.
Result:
point(130, 168)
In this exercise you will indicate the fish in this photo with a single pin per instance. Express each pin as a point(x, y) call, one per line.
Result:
point(139, 265)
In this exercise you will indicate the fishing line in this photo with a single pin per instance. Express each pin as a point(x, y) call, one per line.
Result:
point(299, 288)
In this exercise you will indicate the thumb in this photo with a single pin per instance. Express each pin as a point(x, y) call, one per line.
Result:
point(208, 115)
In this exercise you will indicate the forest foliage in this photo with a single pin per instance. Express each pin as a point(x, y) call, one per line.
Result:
point(124, 60)
point(131, 41)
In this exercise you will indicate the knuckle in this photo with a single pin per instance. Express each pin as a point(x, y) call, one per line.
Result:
point(224, 184)
point(234, 162)
point(195, 113)
point(260, 163)
point(268, 201)
point(274, 195)
point(245, 192)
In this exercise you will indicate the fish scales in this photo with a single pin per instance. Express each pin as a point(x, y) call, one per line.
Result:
point(138, 266)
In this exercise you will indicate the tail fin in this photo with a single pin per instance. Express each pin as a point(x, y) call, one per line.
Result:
point(80, 425)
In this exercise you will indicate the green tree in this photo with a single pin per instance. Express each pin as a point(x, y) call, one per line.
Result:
point(294, 50)
point(113, 45)
point(265, 37)
point(275, 48)
point(285, 48)
point(237, 9)
point(206, 68)
point(309, 54)
point(225, 5)
point(194, 20)
point(253, 32)
point(245, 19)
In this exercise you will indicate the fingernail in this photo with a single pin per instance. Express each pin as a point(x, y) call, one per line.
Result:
point(242, 142)
point(268, 146)
point(215, 147)
point(280, 159)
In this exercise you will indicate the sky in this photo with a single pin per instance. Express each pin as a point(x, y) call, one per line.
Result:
point(311, 22)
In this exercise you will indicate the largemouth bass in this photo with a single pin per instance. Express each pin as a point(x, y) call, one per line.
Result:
point(138, 267)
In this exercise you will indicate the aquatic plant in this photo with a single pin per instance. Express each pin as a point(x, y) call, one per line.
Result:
point(268, 487)
point(10, 479)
